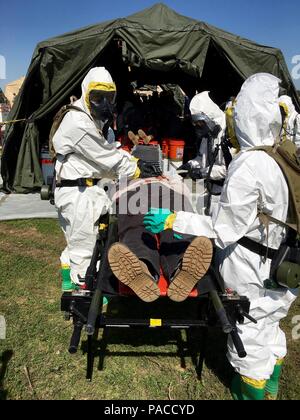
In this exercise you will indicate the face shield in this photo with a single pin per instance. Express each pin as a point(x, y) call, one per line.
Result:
point(102, 107)
point(205, 127)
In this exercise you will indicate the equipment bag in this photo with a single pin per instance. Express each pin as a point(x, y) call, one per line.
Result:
point(285, 268)
point(46, 192)
point(285, 154)
point(57, 120)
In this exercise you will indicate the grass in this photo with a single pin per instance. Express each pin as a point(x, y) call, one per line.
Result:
point(141, 364)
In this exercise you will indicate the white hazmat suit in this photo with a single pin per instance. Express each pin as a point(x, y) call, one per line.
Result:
point(293, 123)
point(203, 109)
point(254, 183)
point(83, 152)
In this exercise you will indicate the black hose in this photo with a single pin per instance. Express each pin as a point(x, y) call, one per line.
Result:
point(238, 344)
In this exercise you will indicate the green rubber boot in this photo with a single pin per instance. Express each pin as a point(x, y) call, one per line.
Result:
point(247, 389)
point(272, 387)
point(67, 284)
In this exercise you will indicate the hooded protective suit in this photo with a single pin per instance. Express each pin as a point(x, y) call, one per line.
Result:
point(254, 182)
point(83, 152)
point(204, 109)
point(293, 121)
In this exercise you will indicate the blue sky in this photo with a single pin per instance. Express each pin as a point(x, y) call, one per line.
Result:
point(25, 23)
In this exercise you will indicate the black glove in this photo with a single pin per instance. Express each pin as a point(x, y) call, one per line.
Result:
point(148, 170)
point(185, 167)
point(195, 173)
point(184, 170)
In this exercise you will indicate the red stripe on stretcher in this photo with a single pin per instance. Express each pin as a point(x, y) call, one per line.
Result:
point(162, 284)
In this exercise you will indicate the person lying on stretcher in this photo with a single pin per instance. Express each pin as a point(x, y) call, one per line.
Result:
point(139, 258)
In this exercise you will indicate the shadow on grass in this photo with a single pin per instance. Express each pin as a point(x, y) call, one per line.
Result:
point(4, 359)
point(210, 341)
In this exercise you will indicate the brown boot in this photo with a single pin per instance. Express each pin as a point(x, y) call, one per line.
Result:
point(132, 272)
point(196, 261)
point(133, 137)
point(146, 139)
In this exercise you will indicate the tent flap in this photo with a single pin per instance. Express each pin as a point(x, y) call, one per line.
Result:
point(29, 174)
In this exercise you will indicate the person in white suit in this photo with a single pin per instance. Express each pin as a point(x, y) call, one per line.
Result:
point(255, 183)
point(292, 128)
point(85, 154)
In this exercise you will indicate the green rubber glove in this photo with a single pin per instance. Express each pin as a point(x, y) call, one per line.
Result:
point(158, 220)
point(178, 237)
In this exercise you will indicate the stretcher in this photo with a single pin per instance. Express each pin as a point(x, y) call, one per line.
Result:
point(213, 307)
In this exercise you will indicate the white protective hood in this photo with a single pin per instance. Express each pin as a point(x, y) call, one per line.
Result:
point(202, 104)
point(289, 103)
point(95, 75)
point(257, 114)
point(293, 116)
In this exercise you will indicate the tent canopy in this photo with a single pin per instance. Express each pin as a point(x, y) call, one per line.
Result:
point(155, 46)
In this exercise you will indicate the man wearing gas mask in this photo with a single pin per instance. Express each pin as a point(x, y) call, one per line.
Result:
point(210, 125)
point(209, 165)
point(86, 153)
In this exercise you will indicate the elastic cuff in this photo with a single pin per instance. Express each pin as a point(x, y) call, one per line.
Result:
point(170, 220)
point(137, 173)
point(254, 383)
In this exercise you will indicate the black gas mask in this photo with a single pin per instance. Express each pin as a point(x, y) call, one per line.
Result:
point(201, 131)
point(204, 130)
point(102, 107)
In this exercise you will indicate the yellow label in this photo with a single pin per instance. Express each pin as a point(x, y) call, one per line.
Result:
point(154, 323)
point(89, 183)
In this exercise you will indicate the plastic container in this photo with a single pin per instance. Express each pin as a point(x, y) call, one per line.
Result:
point(176, 153)
point(165, 148)
point(176, 150)
point(47, 166)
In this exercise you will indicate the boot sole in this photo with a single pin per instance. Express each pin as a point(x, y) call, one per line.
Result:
point(146, 139)
point(133, 138)
point(128, 270)
point(195, 263)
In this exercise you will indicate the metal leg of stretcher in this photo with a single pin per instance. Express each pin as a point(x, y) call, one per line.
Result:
point(200, 364)
point(90, 358)
point(91, 347)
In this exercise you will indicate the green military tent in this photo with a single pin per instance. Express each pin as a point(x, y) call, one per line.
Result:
point(154, 46)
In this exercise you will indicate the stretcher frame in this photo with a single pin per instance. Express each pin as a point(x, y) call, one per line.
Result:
point(216, 309)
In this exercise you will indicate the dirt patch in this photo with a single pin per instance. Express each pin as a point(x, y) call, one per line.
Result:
point(28, 232)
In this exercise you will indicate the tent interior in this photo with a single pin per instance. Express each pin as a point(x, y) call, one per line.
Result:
point(126, 68)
